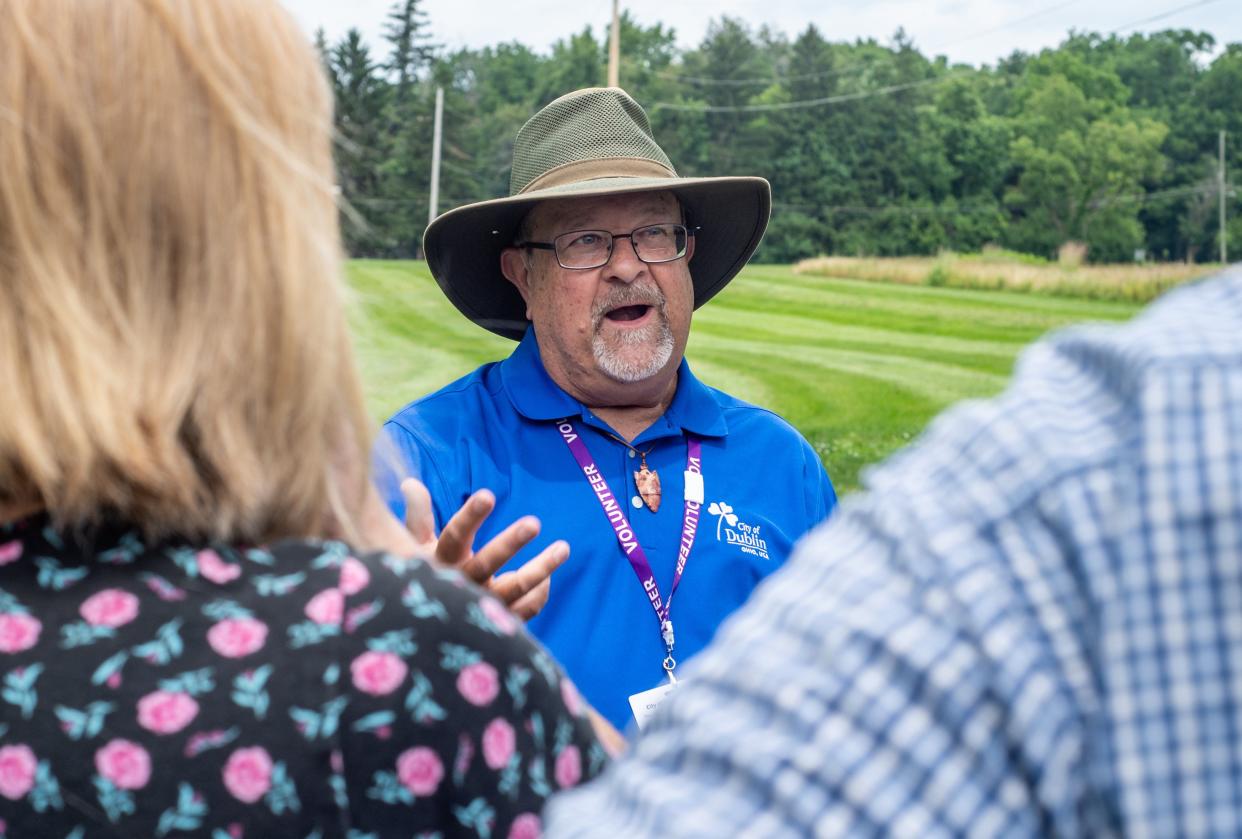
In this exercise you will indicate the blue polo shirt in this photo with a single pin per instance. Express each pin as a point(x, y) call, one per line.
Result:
point(495, 428)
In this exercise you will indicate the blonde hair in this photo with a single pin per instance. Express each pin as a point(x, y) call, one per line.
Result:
point(173, 347)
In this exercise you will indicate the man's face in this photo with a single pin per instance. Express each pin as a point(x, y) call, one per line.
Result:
point(626, 320)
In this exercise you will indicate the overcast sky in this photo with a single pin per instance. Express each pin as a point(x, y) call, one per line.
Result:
point(975, 31)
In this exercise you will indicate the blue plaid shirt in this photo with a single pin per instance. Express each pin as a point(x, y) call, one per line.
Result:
point(1030, 624)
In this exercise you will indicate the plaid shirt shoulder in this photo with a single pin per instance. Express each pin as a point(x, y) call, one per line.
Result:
point(1030, 624)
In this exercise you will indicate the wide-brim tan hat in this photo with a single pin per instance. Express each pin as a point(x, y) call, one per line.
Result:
point(588, 143)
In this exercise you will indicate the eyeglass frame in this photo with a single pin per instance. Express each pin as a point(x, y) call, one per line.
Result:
point(613, 237)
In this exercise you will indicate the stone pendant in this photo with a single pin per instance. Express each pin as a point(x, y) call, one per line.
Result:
point(648, 483)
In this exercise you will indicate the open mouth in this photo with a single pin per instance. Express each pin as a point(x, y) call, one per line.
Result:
point(624, 314)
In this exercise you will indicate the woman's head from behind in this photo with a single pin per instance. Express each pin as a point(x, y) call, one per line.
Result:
point(172, 344)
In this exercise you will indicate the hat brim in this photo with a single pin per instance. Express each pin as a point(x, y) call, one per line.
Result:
point(463, 245)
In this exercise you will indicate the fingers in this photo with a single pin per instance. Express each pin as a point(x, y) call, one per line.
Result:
point(419, 519)
point(502, 548)
point(525, 591)
point(457, 538)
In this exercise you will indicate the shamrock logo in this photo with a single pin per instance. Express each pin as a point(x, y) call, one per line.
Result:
point(724, 513)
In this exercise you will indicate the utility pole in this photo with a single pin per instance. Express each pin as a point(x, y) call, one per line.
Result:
point(614, 47)
point(1220, 191)
point(434, 204)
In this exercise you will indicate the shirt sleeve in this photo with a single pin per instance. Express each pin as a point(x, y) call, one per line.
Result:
point(398, 454)
point(920, 667)
point(455, 717)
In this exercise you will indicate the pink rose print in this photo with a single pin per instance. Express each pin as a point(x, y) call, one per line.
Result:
point(377, 673)
point(166, 712)
point(501, 617)
point(327, 607)
point(354, 576)
point(18, 632)
point(17, 771)
point(213, 568)
point(127, 765)
point(248, 774)
point(110, 607)
point(420, 770)
point(526, 826)
point(568, 767)
point(237, 637)
point(571, 697)
point(498, 743)
point(10, 552)
point(478, 683)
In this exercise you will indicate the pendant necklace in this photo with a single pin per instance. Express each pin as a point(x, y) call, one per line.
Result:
point(647, 480)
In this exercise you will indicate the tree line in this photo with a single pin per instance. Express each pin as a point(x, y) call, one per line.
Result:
point(871, 148)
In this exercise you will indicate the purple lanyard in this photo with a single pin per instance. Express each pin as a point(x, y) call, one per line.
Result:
point(625, 534)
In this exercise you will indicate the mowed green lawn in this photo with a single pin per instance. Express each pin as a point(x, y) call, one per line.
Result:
point(857, 367)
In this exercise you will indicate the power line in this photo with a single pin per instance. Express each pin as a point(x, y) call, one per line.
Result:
point(1162, 16)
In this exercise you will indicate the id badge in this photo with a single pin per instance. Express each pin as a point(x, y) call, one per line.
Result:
point(644, 704)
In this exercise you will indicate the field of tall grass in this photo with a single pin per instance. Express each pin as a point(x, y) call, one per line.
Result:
point(1000, 270)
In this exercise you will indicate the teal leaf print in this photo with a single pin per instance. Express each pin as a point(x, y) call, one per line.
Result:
point(539, 778)
point(10, 605)
point(419, 703)
point(307, 633)
point(375, 721)
point(420, 605)
point(78, 832)
point(207, 740)
point(515, 683)
point(597, 757)
point(386, 788)
point(322, 723)
point(333, 556)
point(564, 735)
point(186, 560)
point(193, 682)
point(259, 556)
point(478, 815)
point(545, 665)
point(85, 723)
point(4, 729)
point(536, 728)
point(399, 642)
point(429, 834)
point(475, 616)
point(332, 674)
point(221, 834)
point(187, 814)
point(249, 690)
point(283, 796)
point(454, 657)
point(511, 777)
point(52, 537)
point(359, 615)
point(340, 792)
point(165, 646)
point(53, 576)
point(354, 833)
point(115, 802)
point(268, 585)
point(220, 610)
point(111, 667)
point(46, 792)
point(81, 634)
point(396, 564)
point(126, 551)
point(461, 761)
point(19, 688)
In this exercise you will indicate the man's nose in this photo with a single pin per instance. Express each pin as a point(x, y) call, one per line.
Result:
point(624, 263)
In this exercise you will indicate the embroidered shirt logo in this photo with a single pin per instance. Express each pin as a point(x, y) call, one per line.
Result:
point(737, 532)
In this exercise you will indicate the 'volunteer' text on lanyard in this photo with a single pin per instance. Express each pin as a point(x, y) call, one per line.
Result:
point(625, 534)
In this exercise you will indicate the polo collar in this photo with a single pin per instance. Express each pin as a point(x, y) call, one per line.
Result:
point(535, 396)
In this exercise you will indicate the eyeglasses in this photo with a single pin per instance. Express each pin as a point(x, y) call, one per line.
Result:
point(583, 249)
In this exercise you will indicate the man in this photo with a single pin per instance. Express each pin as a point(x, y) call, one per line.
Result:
point(676, 498)
point(1030, 624)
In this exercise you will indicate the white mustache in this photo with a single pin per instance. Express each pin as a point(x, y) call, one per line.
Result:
point(634, 295)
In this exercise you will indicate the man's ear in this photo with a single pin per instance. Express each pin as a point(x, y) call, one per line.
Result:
point(513, 266)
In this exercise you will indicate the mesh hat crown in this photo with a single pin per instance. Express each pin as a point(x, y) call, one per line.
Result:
point(587, 144)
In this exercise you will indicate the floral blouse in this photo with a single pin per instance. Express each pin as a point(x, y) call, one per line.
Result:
point(294, 690)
